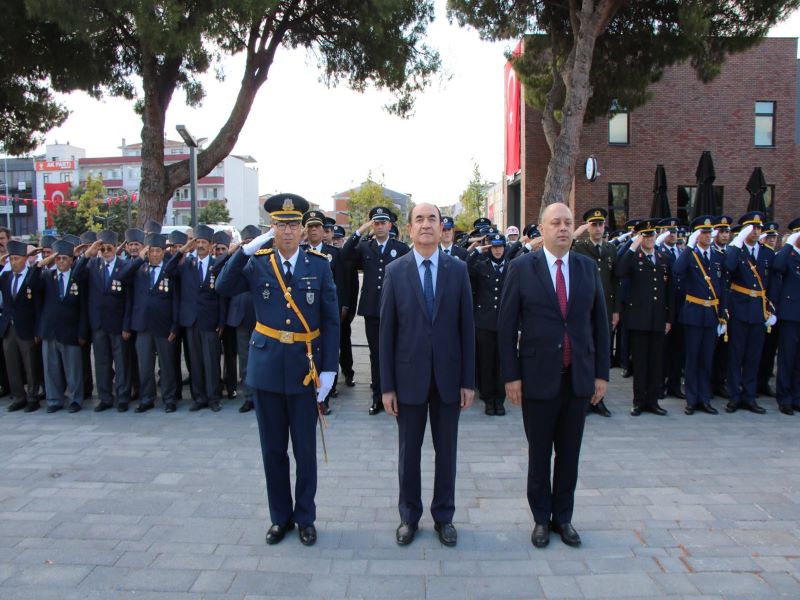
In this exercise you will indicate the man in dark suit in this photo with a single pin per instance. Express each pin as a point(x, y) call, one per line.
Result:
point(202, 313)
point(372, 257)
point(427, 298)
point(555, 298)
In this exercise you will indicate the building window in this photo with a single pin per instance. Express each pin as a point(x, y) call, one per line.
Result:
point(769, 202)
point(686, 199)
point(66, 177)
point(765, 124)
point(618, 194)
point(45, 177)
point(619, 129)
point(214, 190)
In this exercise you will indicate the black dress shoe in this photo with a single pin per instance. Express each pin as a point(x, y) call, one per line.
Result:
point(348, 381)
point(17, 405)
point(405, 533)
point(730, 407)
point(326, 410)
point(214, 406)
point(334, 393)
point(3, 391)
point(277, 532)
point(499, 409)
point(567, 532)
point(755, 408)
point(722, 393)
point(626, 373)
point(677, 394)
point(143, 407)
point(707, 408)
point(601, 409)
point(308, 535)
point(232, 394)
point(74, 407)
point(766, 391)
point(122, 407)
point(54, 408)
point(656, 410)
point(197, 406)
point(32, 406)
point(102, 406)
point(447, 533)
point(375, 408)
point(540, 536)
point(489, 410)
point(636, 411)
point(246, 406)
point(170, 408)
point(787, 410)
point(689, 410)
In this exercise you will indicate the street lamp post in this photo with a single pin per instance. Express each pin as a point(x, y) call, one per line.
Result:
point(191, 142)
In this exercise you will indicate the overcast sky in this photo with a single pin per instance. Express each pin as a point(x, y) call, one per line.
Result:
point(315, 141)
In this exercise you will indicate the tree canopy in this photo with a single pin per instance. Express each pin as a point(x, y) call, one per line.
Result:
point(215, 211)
point(473, 201)
point(366, 197)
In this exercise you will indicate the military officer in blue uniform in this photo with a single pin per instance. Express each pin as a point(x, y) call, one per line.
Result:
point(674, 356)
point(202, 314)
point(220, 244)
point(18, 329)
point(372, 257)
point(721, 237)
point(293, 357)
point(766, 365)
point(447, 243)
point(749, 263)
point(785, 292)
point(703, 312)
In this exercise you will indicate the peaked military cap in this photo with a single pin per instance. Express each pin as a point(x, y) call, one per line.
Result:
point(481, 222)
point(631, 224)
point(794, 226)
point(723, 222)
point(595, 214)
point(771, 228)
point(704, 222)
point(380, 213)
point(338, 231)
point(329, 223)
point(447, 222)
point(646, 227)
point(498, 239)
point(754, 217)
point(314, 217)
point(286, 207)
point(669, 222)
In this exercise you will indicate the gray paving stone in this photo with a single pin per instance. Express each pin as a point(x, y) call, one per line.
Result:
point(617, 585)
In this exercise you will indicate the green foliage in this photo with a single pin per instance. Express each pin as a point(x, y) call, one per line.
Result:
point(215, 211)
point(640, 40)
point(93, 211)
point(368, 196)
point(473, 201)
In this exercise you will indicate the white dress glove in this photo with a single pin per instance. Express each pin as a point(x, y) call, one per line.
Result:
point(325, 384)
point(255, 244)
point(771, 321)
point(721, 329)
point(693, 239)
point(660, 239)
point(738, 241)
point(714, 233)
point(792, 239)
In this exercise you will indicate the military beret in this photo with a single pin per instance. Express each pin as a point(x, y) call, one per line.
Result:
point(134, 235)
point(286, 207)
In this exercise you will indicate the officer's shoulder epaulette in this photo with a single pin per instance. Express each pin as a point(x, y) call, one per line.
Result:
point(264, 252)
point(317, 253)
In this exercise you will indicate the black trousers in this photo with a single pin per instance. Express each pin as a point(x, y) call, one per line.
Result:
point(411, 422)
point(766, 365)
point(555, 424)
point(345, 346)
point(787, 387)
point(372, 326)
point(490, 382)
point(229, 358)
point(719, 366)
point(647, 353)
point(674, 357)
point(22, 365)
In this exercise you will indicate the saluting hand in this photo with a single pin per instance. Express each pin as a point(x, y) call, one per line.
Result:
point(514, 392)
point(580, 231)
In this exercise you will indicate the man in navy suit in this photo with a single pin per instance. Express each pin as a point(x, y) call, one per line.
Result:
point(426, 298)
point(555, 298)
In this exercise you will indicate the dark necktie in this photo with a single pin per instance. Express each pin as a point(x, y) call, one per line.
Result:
point(287, 270)
point(447, 251)
point(705, 255)
point(652, 259)
point(599, 249)
point(427, 289)
point(672, 251)
point(152, 277)
point(61, 290)
point(561, 294)
point(15, 286)
point(200, 271)
point(498, 267)
point(753, 252)
point(380, 249)
point(107, 277)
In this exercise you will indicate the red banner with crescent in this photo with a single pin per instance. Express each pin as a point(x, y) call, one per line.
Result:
point(54, 194)
point(512, 116)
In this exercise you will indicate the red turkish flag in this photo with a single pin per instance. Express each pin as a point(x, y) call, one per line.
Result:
point(54, 194)
point(512, 116)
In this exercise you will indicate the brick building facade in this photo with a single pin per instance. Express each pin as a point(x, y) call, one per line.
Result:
point(729, 116)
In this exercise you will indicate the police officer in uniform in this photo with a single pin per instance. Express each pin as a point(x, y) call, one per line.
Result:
point(372, 257)
point(648, 314)
point(703, 312)
point(784, 291)
point(721, 237)
point(674, 356)
point(487, 266)
point(605, 257)
point(447, 243)
point(749, 263)
point(293, 357)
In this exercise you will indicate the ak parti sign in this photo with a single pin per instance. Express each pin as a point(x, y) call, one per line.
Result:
point(54, 165)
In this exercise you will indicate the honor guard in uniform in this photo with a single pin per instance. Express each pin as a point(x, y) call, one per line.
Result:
point(63, 327)
point(314, 222)
point(749, 263)
point(766, 365)
point(18, 329)
point(674, 356)
point(108, 298)
point(154, 318)
point(447, 243)
point(784, 291)
point(293, 357)
point(648, 314)
point(623, 348)
point(371, 257)
point(202, 315)
point(720, 238)
point(487, 266)
point(605, 257)
point(703, 312)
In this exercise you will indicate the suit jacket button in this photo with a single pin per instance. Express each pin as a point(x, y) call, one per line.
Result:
point(379, 287)
point(288, 321)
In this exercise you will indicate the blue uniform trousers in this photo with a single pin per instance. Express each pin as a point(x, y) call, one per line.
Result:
point(699, 360)
point(279, 417)
point(788, 378)
point(745, 342)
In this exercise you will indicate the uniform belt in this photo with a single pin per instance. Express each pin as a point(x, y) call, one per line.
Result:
point(286, 337)
point(702, 301)
point(743, 290)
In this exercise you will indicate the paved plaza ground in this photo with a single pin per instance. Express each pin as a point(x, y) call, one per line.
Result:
point(172, 507)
